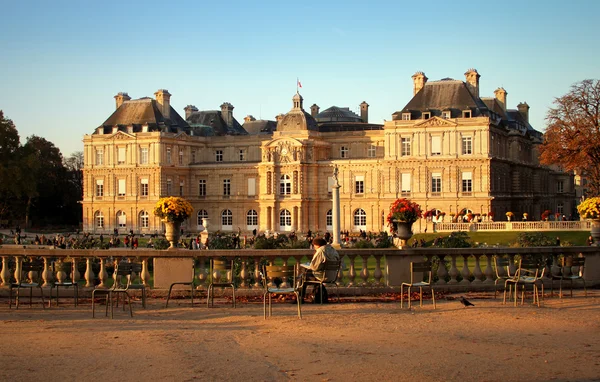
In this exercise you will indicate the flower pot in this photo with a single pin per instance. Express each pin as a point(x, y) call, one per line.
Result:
point(402, 231)
point(595, 232)
point(172, 233)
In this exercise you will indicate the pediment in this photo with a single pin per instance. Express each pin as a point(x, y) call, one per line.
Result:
point(182, 136)
point(120, 135)
point(284, 141)
point(436, 122)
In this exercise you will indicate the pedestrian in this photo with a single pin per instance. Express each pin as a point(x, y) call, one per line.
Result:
point(558, 241)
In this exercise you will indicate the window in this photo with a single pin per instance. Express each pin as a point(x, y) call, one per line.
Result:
point(330, 184)
point(372, 151)
point(226, 187)
point(242, 155)
point(466, 113)
point(99, 157)
point(252, 219)
point(329, 220)
point(426, 115)
point(467, 182)
point(560, 208)
point(193, 156)
point(359, 184)
point(560, 186)
point(405, 146)
point(144, 219)
point(285, 185)
point(285, 220)
point(99, 187)
point(121, 219)
point(226, 219)
point(180, 157)
point(360, 219)
point(436, 145)
point(121, 191)
point(405, 184)
point(121, 155)
point(144, 155)
point(144, 187)
point(446, 114)
point(169, 187)
point(219, 156)
point(181, 187)
point(168, 155)
point(406, 116)
point(344, 152)
point(99, 219)
point(202, 187)
point(436, 183)
point(202, 214)
point(467, 145)
point(251, 186)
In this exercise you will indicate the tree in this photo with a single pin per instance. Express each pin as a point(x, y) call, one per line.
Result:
point(572, 137)
point(10, 187)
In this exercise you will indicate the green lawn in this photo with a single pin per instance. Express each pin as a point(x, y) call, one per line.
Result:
point(507, 238)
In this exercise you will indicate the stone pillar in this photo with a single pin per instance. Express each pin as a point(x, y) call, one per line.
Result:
point(336, 210)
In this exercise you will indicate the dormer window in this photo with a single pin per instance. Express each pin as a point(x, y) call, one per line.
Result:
point(466, 113)
point(426, 114)
point(115, 129)
point(406, 116)
point(446, 114)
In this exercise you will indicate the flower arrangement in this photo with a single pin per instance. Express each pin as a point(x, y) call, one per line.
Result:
point(590, 208)
point(173, 209)
point(404, 210)
point(442, 213)
point(491, 214)
point(546, 214)
point(509, 214)
point(484, 214)
point(452, 214)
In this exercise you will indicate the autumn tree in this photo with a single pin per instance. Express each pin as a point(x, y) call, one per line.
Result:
point(572, 137)
point(10, 186)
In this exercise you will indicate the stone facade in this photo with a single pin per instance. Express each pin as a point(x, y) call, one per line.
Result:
point(472, 155)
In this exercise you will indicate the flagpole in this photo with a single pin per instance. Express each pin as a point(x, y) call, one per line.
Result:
point(296, 84)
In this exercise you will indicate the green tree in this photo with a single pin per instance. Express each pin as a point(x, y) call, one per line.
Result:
point(10, 171)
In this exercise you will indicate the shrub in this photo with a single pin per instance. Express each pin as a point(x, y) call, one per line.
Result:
point(533, 239)
point(364, 244)
point(459, 239)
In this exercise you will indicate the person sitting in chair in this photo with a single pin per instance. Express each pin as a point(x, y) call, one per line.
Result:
point(323, 253)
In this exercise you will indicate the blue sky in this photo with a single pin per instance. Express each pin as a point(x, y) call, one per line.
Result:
point(63, 61)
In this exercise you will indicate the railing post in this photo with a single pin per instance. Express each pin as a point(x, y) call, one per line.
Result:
point(102, 275)
point(257, 277)
point(453, 271)
point(465, 270)
point(5, 274)
point(489, 272)
point(377, 274)
point(352, 272)
point(145, 274)
point(243, 273)
point(477, 271)
point(18, 262)
point(364, 273)
point(89, 273)
point(442, 272)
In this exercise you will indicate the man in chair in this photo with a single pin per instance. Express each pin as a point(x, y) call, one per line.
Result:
point(314, 271)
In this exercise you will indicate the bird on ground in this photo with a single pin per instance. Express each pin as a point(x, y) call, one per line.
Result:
point(465, 302)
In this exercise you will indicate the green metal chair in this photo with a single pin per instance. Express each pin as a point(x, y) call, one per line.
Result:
point(285, 273)
point(570, 263)
point(417, 272)
point(530, 272)
point(220, 268)
point(33, 271)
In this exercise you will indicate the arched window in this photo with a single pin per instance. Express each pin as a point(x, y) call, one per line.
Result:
point(329, 220)
point(252, 219)
point(144, 219)
point(360, 219)
point(202, 214)
point(99, 219)
point(285, 220)
point(121, 219)
point(226, 220)
point(285, 185)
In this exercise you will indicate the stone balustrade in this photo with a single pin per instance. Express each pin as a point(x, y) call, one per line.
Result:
point(365, 270)
point(578, 225)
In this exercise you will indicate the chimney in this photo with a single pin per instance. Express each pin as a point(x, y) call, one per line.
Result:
point(227, 113)
point(314, 110)
point(120, 98)
point(472, 78)
point(279, 117)
point(189, 109)
point(419, 80)
point(364, 111)
point(163, 98)
point(249, 118)
point(524, 110)
point(500, 94)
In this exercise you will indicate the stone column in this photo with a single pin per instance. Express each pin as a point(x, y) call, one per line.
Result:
point(336, 209)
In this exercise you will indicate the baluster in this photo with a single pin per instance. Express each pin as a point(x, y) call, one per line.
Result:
point(378, 274)
point(244, 273)
point(75, 274)
point(59, 271)
point(18, 263)
point(442, 272)
point(477, 271)
point(465, 270)
point(202, 274)
point(489, 272)
point(512, 266)
point(145, 275)
point(364, 273)
point(352, 272)
point(284, 282)
point(46, 274)
point(257, 270)
point(102, 275)
point(89, 273)
point(340, 279)
point(453, 271)
point(5, 274)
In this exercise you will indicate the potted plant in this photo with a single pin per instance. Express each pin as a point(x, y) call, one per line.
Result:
point(509, 215)
point(590, 209)
point(173, 210)
point(403, 213)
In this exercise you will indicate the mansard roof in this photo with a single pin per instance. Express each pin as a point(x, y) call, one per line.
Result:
point(261, 126)
point(141, 112)
point(337, 114)
point(214, 120)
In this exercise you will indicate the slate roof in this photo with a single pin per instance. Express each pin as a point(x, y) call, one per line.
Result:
point(214, 120)
point(261, 126)
point(348, 126)
point(144, 111)
point(337, 114)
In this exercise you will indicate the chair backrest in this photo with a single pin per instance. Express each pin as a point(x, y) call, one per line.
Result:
point(35, 266)
point(67, 267)
point(279, 271)
point(502, 265)
point(420, 269)
point(578, 262)
point(122, 269)
point(331, 270)
point(531, 266)
point(222, 266)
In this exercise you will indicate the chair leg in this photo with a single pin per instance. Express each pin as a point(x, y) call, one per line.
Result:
point(408, 298)
point(233, 294)
point(421, 297)
point(401, 296)
point(432, 296)
point(321, 292)
point(584, 288)
point(129, 302)
point(169, 296)
point(571, 287)
point(42, 295)
point(299, 305)
point(265, 305)
point(192, 293)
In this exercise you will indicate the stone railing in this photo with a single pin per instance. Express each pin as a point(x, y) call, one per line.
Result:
point(365, 271)
point(583, 225)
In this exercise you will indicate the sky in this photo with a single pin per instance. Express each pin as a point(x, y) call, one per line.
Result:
point(62, 62)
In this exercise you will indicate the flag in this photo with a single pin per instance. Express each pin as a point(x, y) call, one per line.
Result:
point(299, 83)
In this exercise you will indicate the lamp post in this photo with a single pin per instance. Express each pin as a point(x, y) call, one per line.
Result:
point(336, 208)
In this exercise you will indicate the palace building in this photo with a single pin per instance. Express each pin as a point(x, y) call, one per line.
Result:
point(448, 149)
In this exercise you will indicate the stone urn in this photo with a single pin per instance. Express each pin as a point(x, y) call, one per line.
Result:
point(172, 233)
point(402, 232)
point(595, 232)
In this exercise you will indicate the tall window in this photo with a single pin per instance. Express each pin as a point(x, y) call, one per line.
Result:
point(99, 219)
point(144, 155)
point(144, 187)
point(251, 186)
point(180, 157)
point(242, 155)
point(560, 208)
point(169, 187)
point(344, 151)
point(202, 214)
point(168, 155)
point(99, 157)
point(359, 184)
point(226, 187)
point(252, 218)
point(329, 219)
point(360, 218)
point(226, 219)
point(436, 145)
point(560, 186)
point(144, 219)
point(99, 187)
point(285, 219)
point(405, 184)
point(121, 155)
point(202, 187)
point(181, 187)
point(121, 219)
point(219, 156)
point(372, 151)
point(285, 185)
point(436, 183)
point(405, 146)
point(121, 185)
point(193, 156)
point(467, 145)
point(467, 182)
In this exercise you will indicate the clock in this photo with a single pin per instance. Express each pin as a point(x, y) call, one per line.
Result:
point(284, 151)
